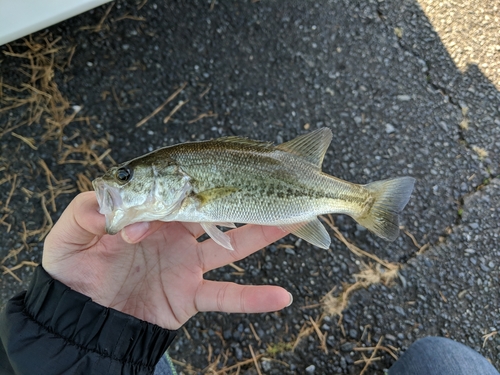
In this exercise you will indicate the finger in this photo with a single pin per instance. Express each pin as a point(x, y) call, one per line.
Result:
point(245, 240)
point(234, 298)
point(136, 232)
point(194, 228)
point(85, 214)
point(80, 223)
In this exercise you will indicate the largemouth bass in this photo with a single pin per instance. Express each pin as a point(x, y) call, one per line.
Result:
point(237, 180)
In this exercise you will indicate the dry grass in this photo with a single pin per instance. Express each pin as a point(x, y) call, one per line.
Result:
point(481, 152)
point(84, 182)
point(218, 365)
point(321, 335)
point(377, 271)
point(373, 358)
point(87, 154)
point(39, 95)
point(370, 273)
point(179, 105)
point(254, 358)
point(159, 108)
point(488, 336)
point(43, 112)
point(101, 24)
point(464, 124)
point(201, 116)
point(28, 140)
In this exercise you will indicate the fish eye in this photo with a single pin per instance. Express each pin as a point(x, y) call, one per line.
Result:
point(123, 174)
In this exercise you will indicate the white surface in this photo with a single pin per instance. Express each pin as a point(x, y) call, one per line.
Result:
point(19, 18)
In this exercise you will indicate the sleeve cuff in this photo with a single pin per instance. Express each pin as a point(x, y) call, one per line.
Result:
point(92, 327)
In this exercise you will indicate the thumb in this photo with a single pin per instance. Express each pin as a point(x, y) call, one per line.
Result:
point(78, 225)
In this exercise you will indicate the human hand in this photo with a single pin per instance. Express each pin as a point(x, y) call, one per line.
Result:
point(154, 271)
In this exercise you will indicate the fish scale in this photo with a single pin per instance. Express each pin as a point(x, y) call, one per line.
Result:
point(292, 198)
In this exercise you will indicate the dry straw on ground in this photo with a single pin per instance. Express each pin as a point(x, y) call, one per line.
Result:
point(39, 95)
point(34, 112)
point(334, 303)
point(370, 273)
point(159, 108)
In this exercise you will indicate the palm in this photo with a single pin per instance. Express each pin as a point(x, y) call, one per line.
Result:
point(160, 278)
point(145, 280)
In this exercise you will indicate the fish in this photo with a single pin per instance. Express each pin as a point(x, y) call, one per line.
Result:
point(229, 180)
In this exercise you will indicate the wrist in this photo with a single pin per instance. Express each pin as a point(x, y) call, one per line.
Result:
point(78, 320)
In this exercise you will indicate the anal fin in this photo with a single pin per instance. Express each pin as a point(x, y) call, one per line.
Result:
point(217, 235)
point(311, 231)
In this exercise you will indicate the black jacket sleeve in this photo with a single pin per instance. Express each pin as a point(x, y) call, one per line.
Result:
point(51, 329)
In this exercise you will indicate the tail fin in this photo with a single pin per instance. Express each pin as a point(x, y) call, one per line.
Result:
point(390, 197)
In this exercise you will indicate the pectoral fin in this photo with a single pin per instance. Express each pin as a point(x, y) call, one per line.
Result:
point(311, 231)
point(209, 195)
point(217, 235)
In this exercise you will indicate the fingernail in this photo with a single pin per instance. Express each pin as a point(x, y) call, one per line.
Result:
point(134, 232)
point(291, 299)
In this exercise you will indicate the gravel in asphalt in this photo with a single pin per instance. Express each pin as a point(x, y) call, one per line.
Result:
point(377, 74)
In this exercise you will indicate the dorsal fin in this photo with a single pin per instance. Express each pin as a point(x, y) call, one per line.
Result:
point(245, 142)
point(311, 146)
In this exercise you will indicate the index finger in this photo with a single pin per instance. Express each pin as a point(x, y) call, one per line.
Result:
point(246, 240)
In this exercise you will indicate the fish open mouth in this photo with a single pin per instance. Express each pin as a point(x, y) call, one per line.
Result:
point(104, 197)
point(109, 201)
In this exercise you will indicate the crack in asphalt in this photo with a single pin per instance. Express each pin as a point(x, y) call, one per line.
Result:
point(428, 78)
point(462, 140)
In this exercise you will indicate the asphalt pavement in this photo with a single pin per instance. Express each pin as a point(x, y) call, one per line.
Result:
point(378, 75)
